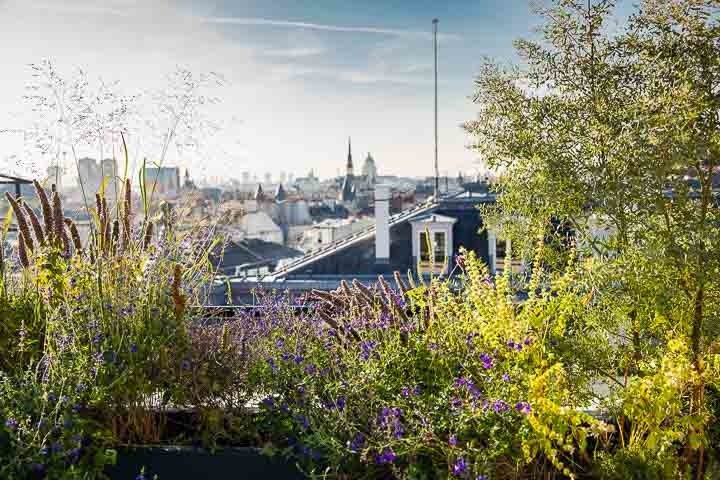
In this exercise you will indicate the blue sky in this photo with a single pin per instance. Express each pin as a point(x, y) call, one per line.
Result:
point(303, 76)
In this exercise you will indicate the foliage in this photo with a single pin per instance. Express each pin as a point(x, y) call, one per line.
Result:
point(465, 384)
point(612, 133)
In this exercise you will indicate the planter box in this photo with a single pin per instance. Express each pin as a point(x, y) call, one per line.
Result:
point(180, 463)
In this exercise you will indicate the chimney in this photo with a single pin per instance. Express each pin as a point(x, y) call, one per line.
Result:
point(382, 225)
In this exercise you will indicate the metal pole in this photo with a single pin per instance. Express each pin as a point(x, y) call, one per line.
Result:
point(437, 172)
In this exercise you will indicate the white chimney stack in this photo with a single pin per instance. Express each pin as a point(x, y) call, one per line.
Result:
point(382, 224)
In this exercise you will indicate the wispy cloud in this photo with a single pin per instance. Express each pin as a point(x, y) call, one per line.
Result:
point(352, 76)
point(297, 52)
point(322, 26)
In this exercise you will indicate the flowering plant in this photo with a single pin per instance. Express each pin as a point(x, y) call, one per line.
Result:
point(458, 384)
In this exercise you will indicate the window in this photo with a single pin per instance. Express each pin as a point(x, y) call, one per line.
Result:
point(424, 248)
point(438, 248)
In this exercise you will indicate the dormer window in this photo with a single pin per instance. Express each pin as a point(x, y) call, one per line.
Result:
point(432, 243)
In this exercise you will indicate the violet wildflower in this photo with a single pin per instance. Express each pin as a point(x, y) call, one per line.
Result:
point(405, 392)
point(527, 341)
point(280, 343)
point(459, 467)
point(452, 440)
point(303, 421)
point(340, 403)
point(272, 364)
point(511, 344)
point(185, 365)
point(500, 406)
point(506, 377)
point(357, 442)
point(133, 348)
point(11, 423)
point(524, 408)
point(518, 347)
point(433, 346)
point(299, 359)
point(387, 456)
point(481, 477)
point(456, 402)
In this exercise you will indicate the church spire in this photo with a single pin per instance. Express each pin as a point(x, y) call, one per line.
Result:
point(349, 166)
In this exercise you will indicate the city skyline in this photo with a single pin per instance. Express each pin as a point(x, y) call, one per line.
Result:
point(300, 80)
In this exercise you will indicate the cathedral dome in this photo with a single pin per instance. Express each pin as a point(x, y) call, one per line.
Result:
point(369, 169)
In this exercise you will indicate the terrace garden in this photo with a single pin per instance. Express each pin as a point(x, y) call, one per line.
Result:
point(608, 144)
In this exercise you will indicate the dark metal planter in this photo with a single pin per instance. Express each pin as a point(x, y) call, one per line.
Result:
point(180, 463)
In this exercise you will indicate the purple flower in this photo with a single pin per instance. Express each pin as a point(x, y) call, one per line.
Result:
point(286, 356)
point(272, 364)
point(387, 456)
point(553, 343)
point(500, 406)
point(303, 421)
point(511, 344)
point(299, 359)
point(268, 401)
point(340, 404)
point(518, 347)
point(456, 402)
point(481, 477)
point(487, 361)
point(51, 398)
point(133, 348)
point(527, 341)
point(185, 365)
point(405, 392)
point(524, 408)
point(433, 346)
point(11, 423)
point(506, 377)
point(280, 343)
point(459, 467)
point(357, 442)
point(453, 440)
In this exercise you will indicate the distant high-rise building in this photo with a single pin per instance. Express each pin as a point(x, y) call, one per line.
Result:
point(165, 179)
point(89, 173)
point(268, 178)
point(109, 168)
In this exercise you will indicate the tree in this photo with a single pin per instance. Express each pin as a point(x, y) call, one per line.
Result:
point(619, 130)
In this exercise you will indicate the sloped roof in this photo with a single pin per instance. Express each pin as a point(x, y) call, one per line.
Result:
point(351, 240)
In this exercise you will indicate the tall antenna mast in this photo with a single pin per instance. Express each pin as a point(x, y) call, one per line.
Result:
point(437, 172)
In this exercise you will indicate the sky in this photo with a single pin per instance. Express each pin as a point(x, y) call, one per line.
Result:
point(301, 76)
